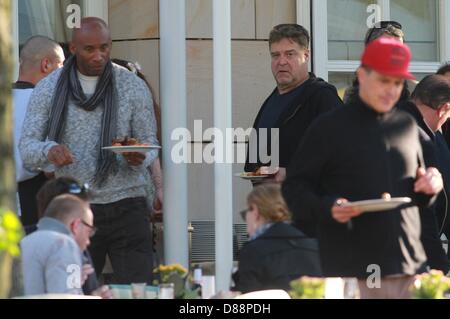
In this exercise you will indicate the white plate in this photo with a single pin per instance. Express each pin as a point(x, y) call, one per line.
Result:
point(251, 178)
point(376, 205)
point(131, 148)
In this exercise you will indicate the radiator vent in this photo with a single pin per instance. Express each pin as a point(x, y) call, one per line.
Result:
point(202, 245)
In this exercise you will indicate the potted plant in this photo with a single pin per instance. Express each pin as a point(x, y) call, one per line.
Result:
point(307, 288)
point(432, 285)
point(179, 276)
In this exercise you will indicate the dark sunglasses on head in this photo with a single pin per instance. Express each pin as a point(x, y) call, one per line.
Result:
point(77, 189)
point(386, 24)
point(382, 26)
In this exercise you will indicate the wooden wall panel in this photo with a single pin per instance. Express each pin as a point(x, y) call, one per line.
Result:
point(199, 19)
point(146, 53)
point(273, 12)
point(251, 76)
point(134, 19)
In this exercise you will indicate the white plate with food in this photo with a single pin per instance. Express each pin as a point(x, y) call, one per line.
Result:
point(251, 176)
point(131, 148)
point(377, 205)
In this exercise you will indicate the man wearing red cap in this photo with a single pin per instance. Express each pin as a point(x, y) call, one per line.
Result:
point(360, 152)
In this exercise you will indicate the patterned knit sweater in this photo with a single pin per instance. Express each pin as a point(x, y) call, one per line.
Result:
point(81, 134)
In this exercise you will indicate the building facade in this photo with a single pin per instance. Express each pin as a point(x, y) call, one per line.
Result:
point(337, 29)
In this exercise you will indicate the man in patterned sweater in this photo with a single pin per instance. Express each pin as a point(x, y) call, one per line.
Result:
point(72, 115)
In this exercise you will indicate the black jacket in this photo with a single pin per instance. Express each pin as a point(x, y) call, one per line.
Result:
point(358, 154)
point(434, 218)
point(317, 97)
point(274, 259)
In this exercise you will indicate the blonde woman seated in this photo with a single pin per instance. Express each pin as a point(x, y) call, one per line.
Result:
point(276, 252)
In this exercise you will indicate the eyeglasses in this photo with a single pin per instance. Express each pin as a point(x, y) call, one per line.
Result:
point(382, 26)
point(77, 189)
point(92, 228)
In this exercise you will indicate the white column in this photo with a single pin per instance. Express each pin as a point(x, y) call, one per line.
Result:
point(15, 37)
point(223, 186)
point(320, 38)
point(304, 13)
point(444, 26)
point(173, 106)
point(304, 18)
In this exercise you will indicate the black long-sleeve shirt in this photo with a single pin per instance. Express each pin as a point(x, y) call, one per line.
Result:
point(433, 218)
point(358, 154)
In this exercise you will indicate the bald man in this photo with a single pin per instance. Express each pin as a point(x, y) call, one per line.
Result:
point(76, 112)
point(52, 260)
point(39, 57)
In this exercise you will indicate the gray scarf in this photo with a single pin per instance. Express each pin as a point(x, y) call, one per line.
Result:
point(69, 87)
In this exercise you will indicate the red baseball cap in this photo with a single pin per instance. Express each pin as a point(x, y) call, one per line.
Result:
point(388, 56)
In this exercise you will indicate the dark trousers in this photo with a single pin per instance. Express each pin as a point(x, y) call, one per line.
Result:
point(124, 235)
point(27, 197)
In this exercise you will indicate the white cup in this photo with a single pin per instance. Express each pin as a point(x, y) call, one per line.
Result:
point(208, 286)
point(334, 288)
point(138, 290)
point(166, 291)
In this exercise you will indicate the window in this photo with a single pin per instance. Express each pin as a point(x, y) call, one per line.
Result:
point(339, 28)
point(48, 17)
point(420, 20)
point(346, 31)
point(44, 17)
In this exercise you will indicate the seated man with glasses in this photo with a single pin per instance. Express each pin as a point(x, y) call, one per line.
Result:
point(51, 255)
point(68, 185)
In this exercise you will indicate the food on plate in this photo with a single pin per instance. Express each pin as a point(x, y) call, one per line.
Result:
point(255, 173)
point(126, 141)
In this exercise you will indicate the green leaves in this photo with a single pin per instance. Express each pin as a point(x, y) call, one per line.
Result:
point(307, 288)
point(11, 233)
point(431, 285)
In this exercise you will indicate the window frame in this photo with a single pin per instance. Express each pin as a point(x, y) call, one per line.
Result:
point(319, 37)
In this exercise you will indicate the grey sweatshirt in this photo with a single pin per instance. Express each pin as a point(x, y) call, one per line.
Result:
point(81, 134)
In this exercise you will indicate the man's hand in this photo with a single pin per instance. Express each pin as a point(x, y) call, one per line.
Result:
point(60, 155)
point(344, 214)
point(428, 181)
point(278, 174)
point(158, 201)
point(134, 158)
point(86, 271)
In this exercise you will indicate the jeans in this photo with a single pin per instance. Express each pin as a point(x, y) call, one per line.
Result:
point(124, 235)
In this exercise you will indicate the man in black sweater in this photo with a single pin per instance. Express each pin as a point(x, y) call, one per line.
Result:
point(430, 106)
point(298, 99)
point(358, 152)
